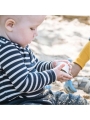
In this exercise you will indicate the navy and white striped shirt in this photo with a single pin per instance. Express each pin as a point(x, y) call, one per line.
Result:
point(21, 74)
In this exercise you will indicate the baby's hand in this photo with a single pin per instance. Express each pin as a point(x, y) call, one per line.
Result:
point(61, 76)
point(58, 62)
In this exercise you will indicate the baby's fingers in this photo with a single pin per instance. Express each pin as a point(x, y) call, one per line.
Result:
point(67, 76)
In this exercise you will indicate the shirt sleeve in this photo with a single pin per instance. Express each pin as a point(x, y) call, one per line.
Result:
point(42, 65)
point(84, 56)
point(22, 79)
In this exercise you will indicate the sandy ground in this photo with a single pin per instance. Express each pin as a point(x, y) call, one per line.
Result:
point(62, 39)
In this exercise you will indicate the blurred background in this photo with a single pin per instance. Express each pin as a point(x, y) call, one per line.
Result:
point(62, 37)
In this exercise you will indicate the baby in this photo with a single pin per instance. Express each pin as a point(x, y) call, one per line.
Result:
point(22, 76)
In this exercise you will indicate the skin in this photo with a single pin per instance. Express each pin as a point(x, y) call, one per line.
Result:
point(75, 69)
point(22, 29)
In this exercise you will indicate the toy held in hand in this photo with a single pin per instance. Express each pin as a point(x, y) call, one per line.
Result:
point(65, 68)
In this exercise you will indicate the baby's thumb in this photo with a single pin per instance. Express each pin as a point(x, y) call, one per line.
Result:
point(61, 66)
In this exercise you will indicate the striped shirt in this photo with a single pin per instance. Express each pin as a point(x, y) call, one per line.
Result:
point(21, 74)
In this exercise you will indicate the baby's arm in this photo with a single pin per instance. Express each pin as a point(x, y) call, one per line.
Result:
point(24, 80)
point(75, 69)
point(81, 60)
point(54, 65)
point(42, 65)
point(15, 70)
